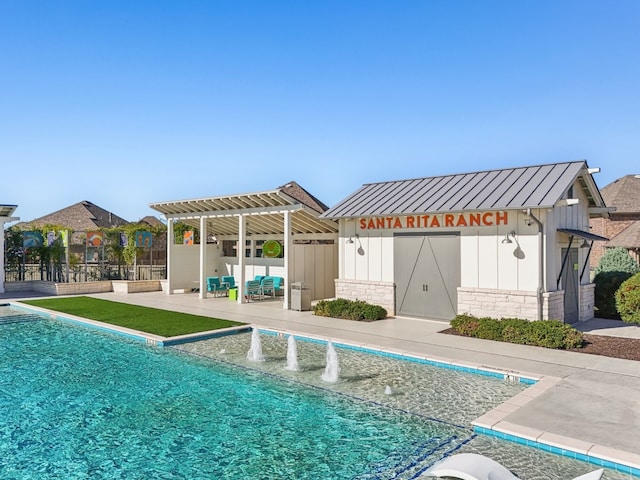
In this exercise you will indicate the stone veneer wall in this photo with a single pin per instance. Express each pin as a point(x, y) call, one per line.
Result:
point(484, 302)
point(587, 301)
point(376, 293)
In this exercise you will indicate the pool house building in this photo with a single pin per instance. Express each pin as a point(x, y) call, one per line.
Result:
point(513, 242)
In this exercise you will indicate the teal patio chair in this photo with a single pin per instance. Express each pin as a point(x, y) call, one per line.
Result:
point(229, 280)
point(216, 287)
point(268, 288)
point(253, 289)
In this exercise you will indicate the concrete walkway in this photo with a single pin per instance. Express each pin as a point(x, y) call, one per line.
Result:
point(583, 403)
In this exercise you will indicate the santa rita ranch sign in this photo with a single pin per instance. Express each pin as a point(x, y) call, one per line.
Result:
point(464, 219)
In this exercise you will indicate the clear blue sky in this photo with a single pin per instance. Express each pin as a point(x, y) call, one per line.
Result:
point(125, 103)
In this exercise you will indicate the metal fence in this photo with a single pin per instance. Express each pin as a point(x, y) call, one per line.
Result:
point(84, 273)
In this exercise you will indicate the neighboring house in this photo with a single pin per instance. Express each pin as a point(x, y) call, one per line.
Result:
point(622, 228)
point(84, 216)
point(80, 217)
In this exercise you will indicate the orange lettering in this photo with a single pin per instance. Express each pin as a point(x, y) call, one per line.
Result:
point(363, 223)
point(462, 222)
point(380, 223)
point(502, 218)
point(435, 222)
point(371, 223)
point(411, 222)
point(474, 219)
point(397, 223)
point(448, 220)
point(486, 219)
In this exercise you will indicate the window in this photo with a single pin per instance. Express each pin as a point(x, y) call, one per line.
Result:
point(229, 248)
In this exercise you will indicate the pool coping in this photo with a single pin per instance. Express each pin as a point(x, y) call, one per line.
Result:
point(492, 423)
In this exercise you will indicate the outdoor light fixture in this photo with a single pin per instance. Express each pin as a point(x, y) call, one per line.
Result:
point(506, 238)
point(350, 239)
point(585, 244)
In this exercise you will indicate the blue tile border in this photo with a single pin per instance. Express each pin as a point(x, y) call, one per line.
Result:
point(600, 462)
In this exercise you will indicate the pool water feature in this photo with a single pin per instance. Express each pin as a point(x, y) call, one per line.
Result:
point(79, 404)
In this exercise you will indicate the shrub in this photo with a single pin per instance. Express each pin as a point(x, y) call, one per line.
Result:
point(628, 299)
point(554, 334)
point(349, 310)
point(607, 284)
point(516, 330)
point(617, 260)
point(465, 325)
point(543, 333)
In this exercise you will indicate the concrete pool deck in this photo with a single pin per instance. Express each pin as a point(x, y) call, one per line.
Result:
point(585, 404)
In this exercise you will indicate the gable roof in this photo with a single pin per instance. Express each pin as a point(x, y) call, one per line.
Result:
point(623, 194)
point(265, 212)
point(540, 186)
point(151, 221)
point(81, 216)
point(628, 238)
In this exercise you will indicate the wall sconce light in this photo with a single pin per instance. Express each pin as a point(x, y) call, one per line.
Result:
point(585, 244)
point(350, 239)
point(506, 238)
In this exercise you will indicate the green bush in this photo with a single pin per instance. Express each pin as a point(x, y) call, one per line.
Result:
point(615, 266)
point(607, 284)
point(617, 260)
point(542, 333)
point(516, 330)
point(465, 325)
point(349, 310)
point(628, 299)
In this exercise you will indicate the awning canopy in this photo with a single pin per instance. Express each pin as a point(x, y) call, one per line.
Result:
point(582, 234)
point(264, 211)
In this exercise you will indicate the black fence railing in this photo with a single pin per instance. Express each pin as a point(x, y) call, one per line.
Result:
point(84, 273)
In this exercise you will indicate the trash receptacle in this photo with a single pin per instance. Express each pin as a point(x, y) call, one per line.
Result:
point(300, 297)
point(233, 294)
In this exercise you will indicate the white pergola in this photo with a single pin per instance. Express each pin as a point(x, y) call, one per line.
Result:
point(271, 212)
point(5, 217)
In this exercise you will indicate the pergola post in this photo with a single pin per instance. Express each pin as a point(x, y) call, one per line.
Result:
point(242, 234)
point(203, 258)
point(170, 243)
point(288, 244)
point(5, 217)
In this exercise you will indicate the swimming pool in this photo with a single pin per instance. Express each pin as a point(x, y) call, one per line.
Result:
point(79, 404)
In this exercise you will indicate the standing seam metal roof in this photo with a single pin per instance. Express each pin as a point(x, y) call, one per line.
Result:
point(538, 186)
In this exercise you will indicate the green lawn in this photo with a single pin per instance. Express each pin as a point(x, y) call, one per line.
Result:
point(144, 319)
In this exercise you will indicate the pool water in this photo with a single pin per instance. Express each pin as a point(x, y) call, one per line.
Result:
point(77, 404)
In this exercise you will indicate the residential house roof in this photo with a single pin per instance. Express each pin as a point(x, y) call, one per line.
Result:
point(81, 216)
point(623, 194)
point(628, 238)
